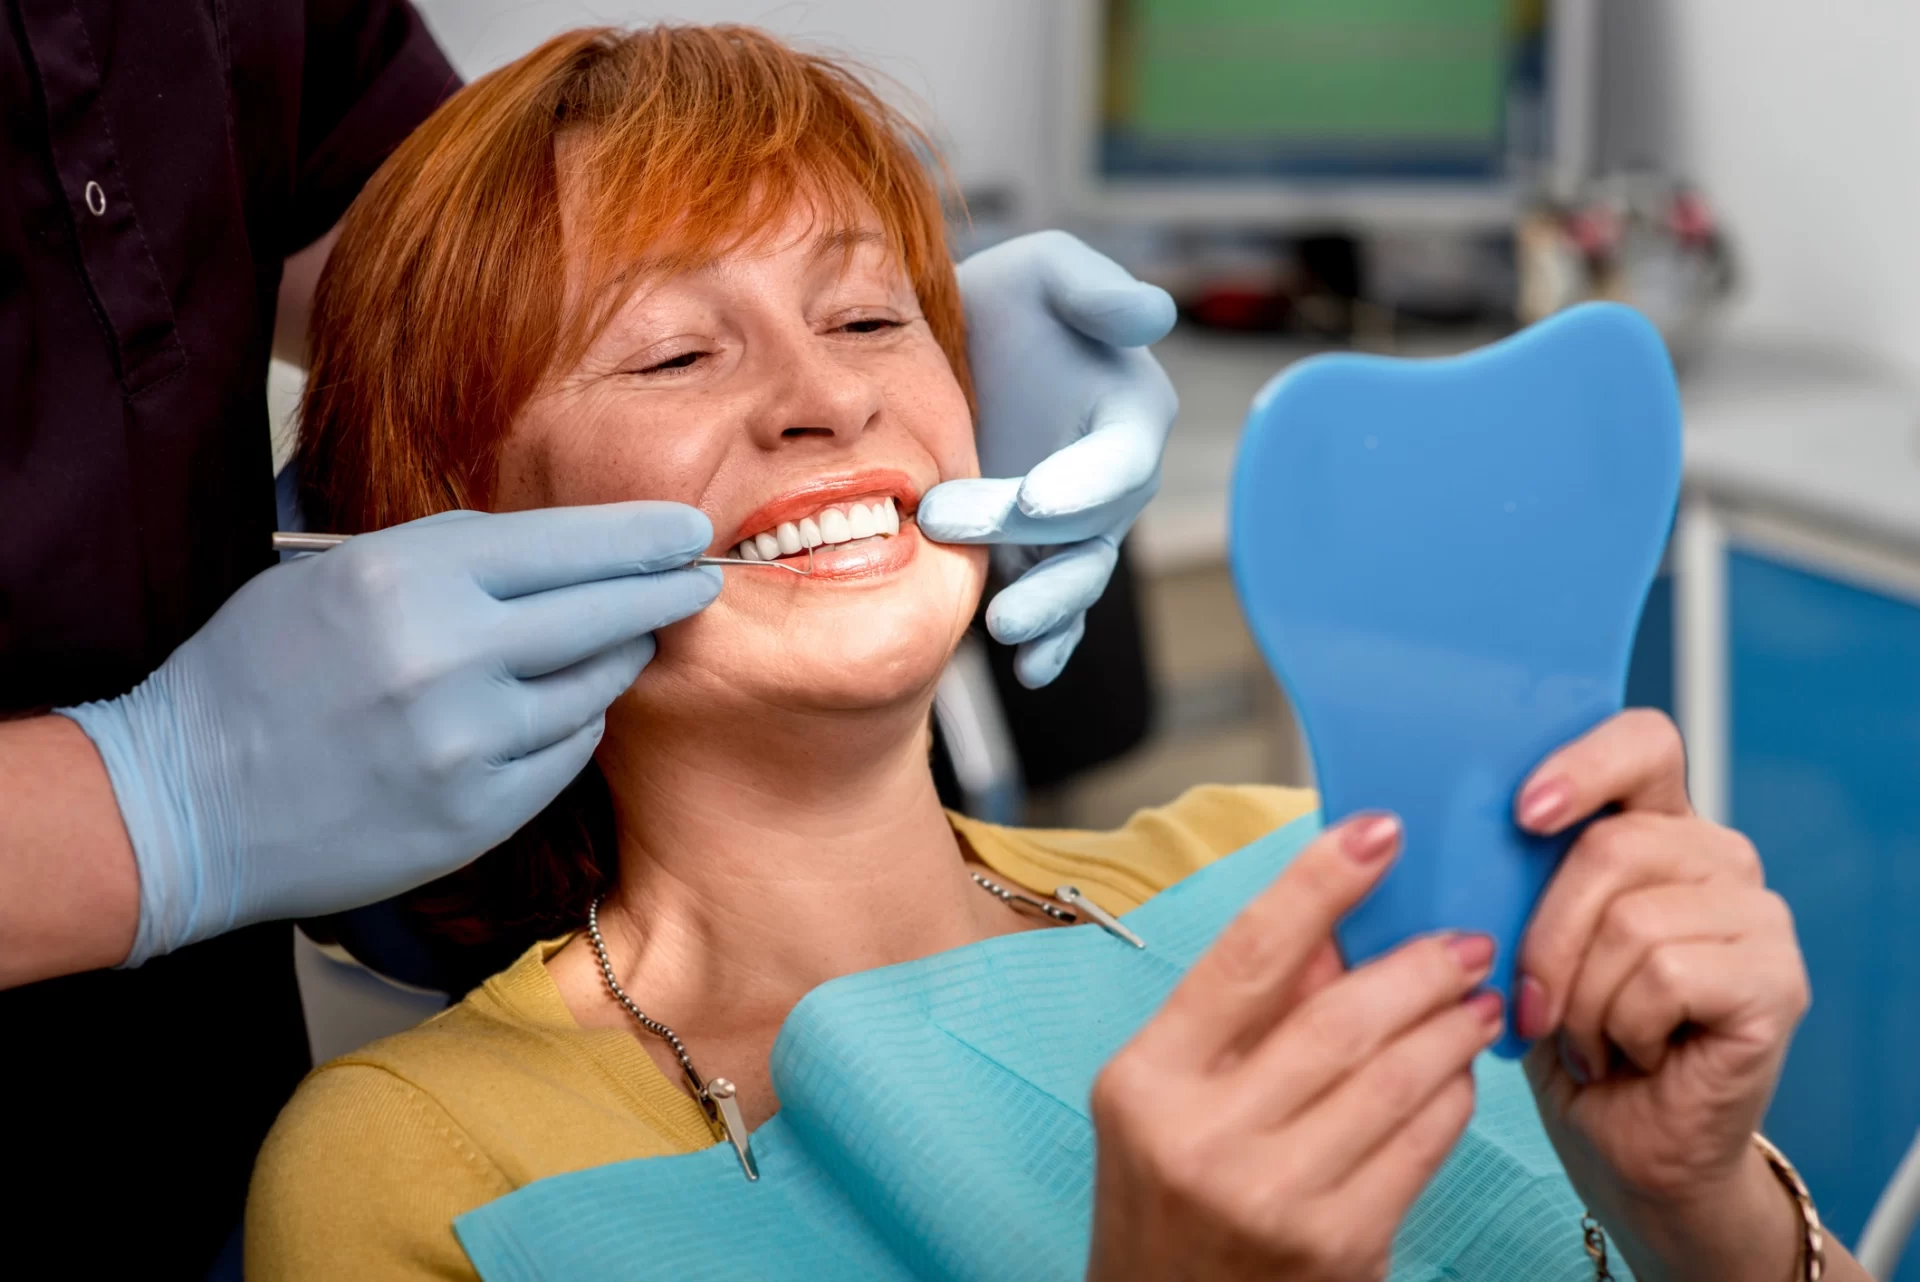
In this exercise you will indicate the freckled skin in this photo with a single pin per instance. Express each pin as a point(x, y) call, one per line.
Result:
point(726, 387)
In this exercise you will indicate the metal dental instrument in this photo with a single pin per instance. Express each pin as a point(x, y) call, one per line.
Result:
point(765, 565)
point(290, 541)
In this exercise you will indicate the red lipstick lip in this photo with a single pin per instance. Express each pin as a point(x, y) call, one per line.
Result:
point(811, 497)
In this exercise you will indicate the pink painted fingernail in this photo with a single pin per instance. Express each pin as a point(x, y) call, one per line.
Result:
point(1368, 841)
point(1541, 804)
point(1530, 1009)
point(1488, 1006)
point(1474, 953)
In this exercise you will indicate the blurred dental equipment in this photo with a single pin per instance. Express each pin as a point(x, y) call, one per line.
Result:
point(1640, 239)
point(300, 541)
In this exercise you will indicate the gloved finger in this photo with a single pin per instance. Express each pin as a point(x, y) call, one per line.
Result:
point(553, 708)
point(548, 631)
point(1052, 592)
point(511, 554)
point(1099, 297)
point(1039, 661)
point(976, 510)
point(451, 514)
point(526, 786)
point(988, 511)
point(1119, 458)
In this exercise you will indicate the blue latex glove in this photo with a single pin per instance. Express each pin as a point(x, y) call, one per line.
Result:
point(1074, 414)
point(352, 724)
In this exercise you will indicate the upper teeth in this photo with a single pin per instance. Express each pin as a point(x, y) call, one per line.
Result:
point(841, 524)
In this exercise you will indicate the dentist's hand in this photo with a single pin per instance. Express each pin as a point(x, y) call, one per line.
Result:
point(352, 724)
point(1074, 415)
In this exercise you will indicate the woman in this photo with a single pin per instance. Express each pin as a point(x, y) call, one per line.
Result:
point(693, 264)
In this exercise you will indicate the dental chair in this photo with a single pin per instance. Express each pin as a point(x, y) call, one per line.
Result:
point(997, 739)
point(1890, 1227)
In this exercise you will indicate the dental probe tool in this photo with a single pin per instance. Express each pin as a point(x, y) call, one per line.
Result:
point(291, 541)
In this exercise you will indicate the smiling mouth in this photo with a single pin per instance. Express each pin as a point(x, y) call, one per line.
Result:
point(834, 525)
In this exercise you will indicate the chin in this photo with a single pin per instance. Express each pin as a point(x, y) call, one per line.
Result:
point(846, 649)
point(850, 674)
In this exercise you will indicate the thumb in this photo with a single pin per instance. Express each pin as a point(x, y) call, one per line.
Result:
point(970, 510)
point(1118, 458)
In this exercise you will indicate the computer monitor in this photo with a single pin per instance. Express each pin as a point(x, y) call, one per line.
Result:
point(1363, 114)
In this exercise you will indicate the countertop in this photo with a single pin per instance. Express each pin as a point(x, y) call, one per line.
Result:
point(1802, 434)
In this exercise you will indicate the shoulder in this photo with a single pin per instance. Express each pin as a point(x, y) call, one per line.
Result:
point(361, 1177)
point(378, 1151)
point(1221, 818)
point(1157, 847)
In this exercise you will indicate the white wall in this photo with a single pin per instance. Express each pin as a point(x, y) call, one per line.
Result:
point(1801, 119)
point(980, 68)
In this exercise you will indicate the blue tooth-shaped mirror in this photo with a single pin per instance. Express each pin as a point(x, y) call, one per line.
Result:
point(1444, 562)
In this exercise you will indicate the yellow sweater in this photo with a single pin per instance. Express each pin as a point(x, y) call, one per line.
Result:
point(379, 1150)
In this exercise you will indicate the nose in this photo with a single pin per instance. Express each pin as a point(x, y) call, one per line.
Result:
point(813, 393)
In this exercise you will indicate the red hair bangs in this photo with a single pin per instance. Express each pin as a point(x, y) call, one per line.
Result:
point(446, 303)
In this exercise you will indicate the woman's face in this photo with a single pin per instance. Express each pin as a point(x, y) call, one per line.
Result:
point(791, 391)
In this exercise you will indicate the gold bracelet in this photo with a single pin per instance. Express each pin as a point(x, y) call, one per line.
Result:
point(1809, 1263)
point(1813, 1242)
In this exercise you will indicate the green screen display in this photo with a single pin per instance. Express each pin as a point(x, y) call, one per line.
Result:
point(1396, 71)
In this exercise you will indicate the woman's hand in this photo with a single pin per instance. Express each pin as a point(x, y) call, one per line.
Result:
point(1673, 980)
point(1278, 1116)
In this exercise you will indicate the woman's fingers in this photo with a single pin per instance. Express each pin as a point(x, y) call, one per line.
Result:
point(1229, 1126)
point(1633, 926)
point(1635, 760)
point(1749, 991)
point(1243, 984)
point(1402, 1167)
point(1393, 1085)
point(1613, 857)
point(1333, 1036)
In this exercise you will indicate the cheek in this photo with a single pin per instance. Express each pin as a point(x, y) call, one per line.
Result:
point(928, 401)
point(568, 454)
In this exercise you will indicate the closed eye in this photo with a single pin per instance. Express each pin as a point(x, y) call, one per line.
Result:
point(684, 360)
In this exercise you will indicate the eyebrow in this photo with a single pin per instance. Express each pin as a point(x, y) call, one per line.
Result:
point(848, 238)
point(841, 241)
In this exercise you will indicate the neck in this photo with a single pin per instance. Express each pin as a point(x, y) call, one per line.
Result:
point(750, 874)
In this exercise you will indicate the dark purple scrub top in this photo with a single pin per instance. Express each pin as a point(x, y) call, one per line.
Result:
point(158, 161)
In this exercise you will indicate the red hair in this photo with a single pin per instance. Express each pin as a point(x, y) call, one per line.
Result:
point(442, 310)
point(439, 312)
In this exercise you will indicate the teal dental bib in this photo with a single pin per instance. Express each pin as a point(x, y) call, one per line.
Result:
point(1444, 562)
point(933, 1125)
